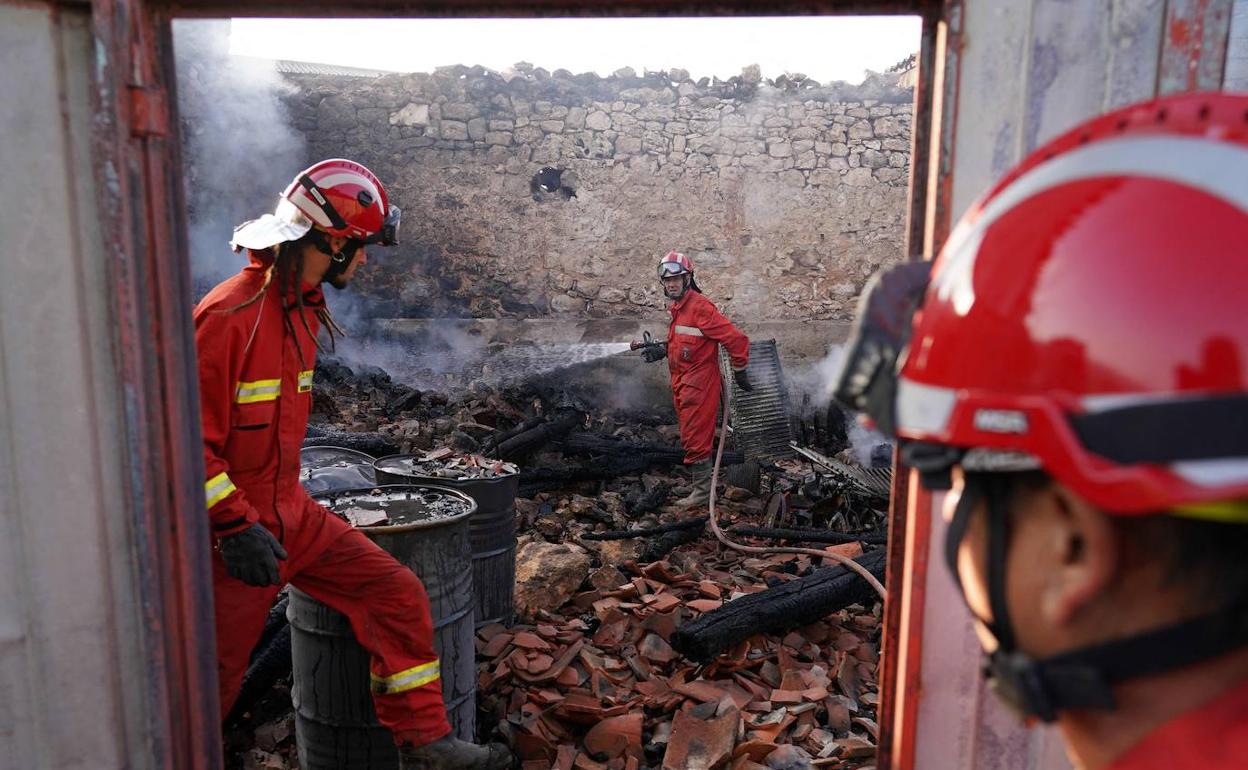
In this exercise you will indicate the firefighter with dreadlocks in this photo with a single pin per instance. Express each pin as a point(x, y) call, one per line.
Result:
point(696, 331)
point(257, 339)
point(1073, 369)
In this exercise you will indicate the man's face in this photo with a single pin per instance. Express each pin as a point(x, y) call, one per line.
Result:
point(360, 257)
point(674, 285)
point(1057, 562)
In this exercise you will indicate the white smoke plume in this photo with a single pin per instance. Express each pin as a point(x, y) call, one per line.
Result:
point(240, 151)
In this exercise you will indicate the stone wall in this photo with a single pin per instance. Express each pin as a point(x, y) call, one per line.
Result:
point(786, 194)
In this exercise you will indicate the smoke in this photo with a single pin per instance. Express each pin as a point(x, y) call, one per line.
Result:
point(815, 384)
point(240, 150)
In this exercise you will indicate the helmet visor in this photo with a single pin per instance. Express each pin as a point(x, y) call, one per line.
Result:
point(867, 381)
point(667, 269)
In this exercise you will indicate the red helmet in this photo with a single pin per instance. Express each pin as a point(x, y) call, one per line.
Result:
point(1087, 316)
point(675, 263)
point(339, 196)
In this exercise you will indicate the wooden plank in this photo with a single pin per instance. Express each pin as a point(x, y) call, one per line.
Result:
point(1193, 50)
point(1134, 48)
point(1065, 73)
point(1235, 77)
point(988, 94)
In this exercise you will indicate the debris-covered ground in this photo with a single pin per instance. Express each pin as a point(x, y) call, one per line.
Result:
point(619, 658)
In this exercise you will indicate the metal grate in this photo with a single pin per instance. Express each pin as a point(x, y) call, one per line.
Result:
point(760, 419)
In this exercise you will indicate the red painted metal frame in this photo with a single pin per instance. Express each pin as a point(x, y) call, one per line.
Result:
point(891, 741)
point(145, 234)
point(140, 199)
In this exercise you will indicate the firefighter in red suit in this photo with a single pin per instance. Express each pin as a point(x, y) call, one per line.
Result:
point(1073, 372)
point(256, 336)
point(693, 339)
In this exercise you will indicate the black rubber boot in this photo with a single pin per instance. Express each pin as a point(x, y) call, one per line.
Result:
point(453, 754)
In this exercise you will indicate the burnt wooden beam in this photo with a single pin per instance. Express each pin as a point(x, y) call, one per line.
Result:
point(777, 610)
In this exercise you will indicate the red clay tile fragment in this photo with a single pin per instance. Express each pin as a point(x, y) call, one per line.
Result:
point(704, 605)
point(565, 757)
point(496, 645)
point(786, 696)
point(700, 744)
point(756, 751)
point(655, 650)
point(700, 690)
point(615, 736)
point(662, 602)
point(530, 641)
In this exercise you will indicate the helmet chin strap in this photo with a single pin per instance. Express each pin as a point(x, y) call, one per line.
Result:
point(1038, 688)
point(339, 260)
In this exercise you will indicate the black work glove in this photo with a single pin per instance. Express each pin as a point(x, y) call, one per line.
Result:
point(251, 556)
point(654, 353)
point(743, 380)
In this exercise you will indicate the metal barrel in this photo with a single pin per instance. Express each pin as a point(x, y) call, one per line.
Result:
point(492, 529)
point(332, 468)
point(335, 722)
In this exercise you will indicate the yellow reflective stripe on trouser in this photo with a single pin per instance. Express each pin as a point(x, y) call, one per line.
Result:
point(218, 488)
point(692, 331)
point(410, 679)
point(260, 390)
point(305, 381)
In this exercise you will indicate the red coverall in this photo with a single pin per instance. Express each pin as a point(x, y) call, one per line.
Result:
point(255, 395)
point(1210, 737)
point(693, 339)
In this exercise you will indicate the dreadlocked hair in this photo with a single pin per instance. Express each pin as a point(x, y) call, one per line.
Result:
point(287, 267)
point(253, 299)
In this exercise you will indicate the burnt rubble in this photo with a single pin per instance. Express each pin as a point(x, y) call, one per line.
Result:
point(639, 638)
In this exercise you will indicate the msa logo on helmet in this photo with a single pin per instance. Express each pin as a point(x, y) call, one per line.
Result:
point(1000, 421)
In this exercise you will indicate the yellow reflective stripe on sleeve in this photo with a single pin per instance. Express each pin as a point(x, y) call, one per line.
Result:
point(259, 390)
point(218, 488)
point(1225, 511)
point(692, 331)
point(305, 381)
point(418, 676)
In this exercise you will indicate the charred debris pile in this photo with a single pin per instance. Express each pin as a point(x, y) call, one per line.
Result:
point(639, 642)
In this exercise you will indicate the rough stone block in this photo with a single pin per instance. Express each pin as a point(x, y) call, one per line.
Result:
point(839, 149)
point(778, 148)
point(552, 126)
point(874, 159)
point(335, 113)
point(889, 174)
point(454, 130)
point(598, 121)
point(476, 129)
point(861, 130)
point(793, 178)
point(411, 115)
point(498, 138)
point(576, 118)
point(859, 177)
point(459, 111)
point(887, 127)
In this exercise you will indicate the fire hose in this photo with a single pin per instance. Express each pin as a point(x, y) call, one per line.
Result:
point(719, 533)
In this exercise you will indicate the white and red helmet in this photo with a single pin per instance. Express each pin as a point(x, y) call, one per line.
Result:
point(338, 196)
point(675, 263)
point(1086, 317)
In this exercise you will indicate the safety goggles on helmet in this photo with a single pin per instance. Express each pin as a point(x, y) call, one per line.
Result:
point(669, 269)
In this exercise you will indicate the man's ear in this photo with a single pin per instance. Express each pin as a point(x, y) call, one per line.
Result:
point(1086, 554)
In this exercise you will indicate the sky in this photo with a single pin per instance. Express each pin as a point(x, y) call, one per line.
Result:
point(823, 48)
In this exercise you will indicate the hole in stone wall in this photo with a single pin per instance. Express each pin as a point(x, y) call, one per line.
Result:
point(548, 182)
